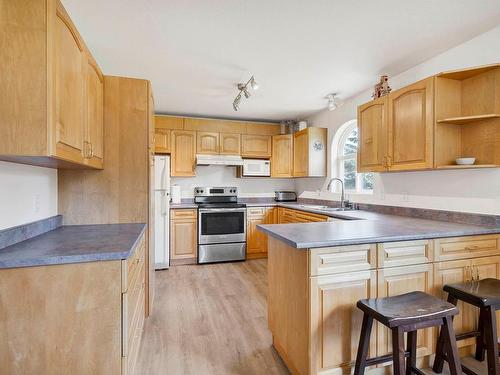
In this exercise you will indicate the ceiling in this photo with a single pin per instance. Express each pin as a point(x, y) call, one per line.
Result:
point(195, 52)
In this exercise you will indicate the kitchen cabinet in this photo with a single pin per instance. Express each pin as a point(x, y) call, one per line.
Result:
point(282, 156)
point(288, 215)
point(183, 148)
point(230, 144)
point(183, 236)
point(257, 240)
point(93, 146)
point(207, 143)
point(411, 127)
point(309, 156)
point(335, 320)
point(82, 318)
point(61, 126)
point(162, 141)
point(256, 146)
point(372, 130)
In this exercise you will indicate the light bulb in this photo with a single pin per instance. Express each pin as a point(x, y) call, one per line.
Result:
point(254, 84)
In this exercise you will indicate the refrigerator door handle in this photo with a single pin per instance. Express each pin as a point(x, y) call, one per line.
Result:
point(163, 206)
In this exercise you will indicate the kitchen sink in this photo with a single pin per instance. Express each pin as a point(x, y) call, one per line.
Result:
point(314, 206)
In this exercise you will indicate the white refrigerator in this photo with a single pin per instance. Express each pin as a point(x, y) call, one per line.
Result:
point(162, 211)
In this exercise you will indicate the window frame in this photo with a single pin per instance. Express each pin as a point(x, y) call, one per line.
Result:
point(340, 158)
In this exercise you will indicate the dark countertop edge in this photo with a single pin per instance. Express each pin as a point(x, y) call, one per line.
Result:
point(371, 240)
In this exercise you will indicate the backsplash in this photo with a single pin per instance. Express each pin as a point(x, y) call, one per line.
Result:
point(215, 175)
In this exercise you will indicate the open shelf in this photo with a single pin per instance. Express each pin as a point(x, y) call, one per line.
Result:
point(467, 119)
point(473, 166)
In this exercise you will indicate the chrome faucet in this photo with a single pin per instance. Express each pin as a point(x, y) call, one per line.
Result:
point(342, 197)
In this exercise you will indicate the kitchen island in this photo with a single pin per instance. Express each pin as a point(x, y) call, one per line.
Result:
point(318, 271)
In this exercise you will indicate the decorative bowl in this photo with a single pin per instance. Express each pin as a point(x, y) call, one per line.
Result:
point(465, 161)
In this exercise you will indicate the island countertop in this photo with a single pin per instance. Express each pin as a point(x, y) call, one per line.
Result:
point(74, 244)
point(361, 227)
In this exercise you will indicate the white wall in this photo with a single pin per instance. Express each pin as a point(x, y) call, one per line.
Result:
point(26, 194)
point(226, 176)
point(465, 190)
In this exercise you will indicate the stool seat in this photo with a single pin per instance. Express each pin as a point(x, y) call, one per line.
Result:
point(408, 308)
point(480, 293)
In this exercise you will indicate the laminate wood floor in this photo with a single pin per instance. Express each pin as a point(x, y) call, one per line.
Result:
point(210, 319)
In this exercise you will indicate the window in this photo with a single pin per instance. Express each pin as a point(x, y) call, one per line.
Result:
point(347, 151)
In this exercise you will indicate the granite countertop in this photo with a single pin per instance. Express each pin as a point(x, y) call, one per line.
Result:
point(362, 227)
point(74, 244)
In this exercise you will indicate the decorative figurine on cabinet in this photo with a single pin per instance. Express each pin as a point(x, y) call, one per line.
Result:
point(382, 88)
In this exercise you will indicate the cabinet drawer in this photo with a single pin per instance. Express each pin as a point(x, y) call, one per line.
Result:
point(133, 340)
point(134, 295)
point(466, 247)
point(184, 213)
point(131, 317)
point(131, 266)
point(256, 211)
point(405, 253)
point(332, 260)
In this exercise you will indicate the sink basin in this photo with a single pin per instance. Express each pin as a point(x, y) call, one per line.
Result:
point(314, 206)
point(337, 209)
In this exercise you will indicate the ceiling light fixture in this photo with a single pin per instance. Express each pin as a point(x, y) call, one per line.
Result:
point(333, 101)
point(243, 87)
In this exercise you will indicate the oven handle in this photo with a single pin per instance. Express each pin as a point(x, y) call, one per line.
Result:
point(208, 210)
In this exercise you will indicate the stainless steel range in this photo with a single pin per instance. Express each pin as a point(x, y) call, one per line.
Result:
point(221, 225)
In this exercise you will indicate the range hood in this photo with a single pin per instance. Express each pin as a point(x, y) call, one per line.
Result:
point(230, 160)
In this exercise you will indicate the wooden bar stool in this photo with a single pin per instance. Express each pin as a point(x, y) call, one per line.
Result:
point(484, 294)
point(406, 313)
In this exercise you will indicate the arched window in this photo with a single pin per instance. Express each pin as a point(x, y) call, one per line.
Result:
point(346, 144)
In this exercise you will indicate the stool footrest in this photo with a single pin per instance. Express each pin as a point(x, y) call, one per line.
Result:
point(381, 359)
point(467, 335)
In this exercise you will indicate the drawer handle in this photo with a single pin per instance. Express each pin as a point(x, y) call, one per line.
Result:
point(472, 247)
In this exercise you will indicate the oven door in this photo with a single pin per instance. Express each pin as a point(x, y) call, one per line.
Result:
point(221, 225)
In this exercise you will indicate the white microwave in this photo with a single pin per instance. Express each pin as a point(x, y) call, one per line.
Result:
point(256, 167)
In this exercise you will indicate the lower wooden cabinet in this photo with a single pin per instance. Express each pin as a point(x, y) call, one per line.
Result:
point(183, 236)
point(257, 240)
point(289, 215)
point(82, 318)
point(335, 320)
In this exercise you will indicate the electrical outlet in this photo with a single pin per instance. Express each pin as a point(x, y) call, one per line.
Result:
point(36, 203)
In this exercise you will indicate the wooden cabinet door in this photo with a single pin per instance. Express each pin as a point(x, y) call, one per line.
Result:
point(400, 280)
point(256, 240)
point(336, 321)
point(183, 148)
point(372, 127)
point(256, 146)
point(162, 141)
point(450, 272)
point(411, 126)
point(207, 143)
point(301, 154)
point(94, 143)
point(70, 73)
point(282, 156)
point(183, 234)
point(230, 144)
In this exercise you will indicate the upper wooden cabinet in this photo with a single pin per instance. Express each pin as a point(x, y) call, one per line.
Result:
point(207, 143)
point(256, 146)
point(282, 156)
point(372, 127)
point(230, 144)
point(52, 117)
point(411, 125)
point(162, 141)
point(309, 156)
point(183, 148)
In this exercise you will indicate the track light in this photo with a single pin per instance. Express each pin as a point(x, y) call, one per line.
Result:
point(333, 101)
point(243, 87)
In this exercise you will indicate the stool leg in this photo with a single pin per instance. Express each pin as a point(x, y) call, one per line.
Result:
point(491, 339)
point(398, 351)
point(411, 346)
point(480, 339)
point(440, 347)
point(451, 347)
point(364, 344)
